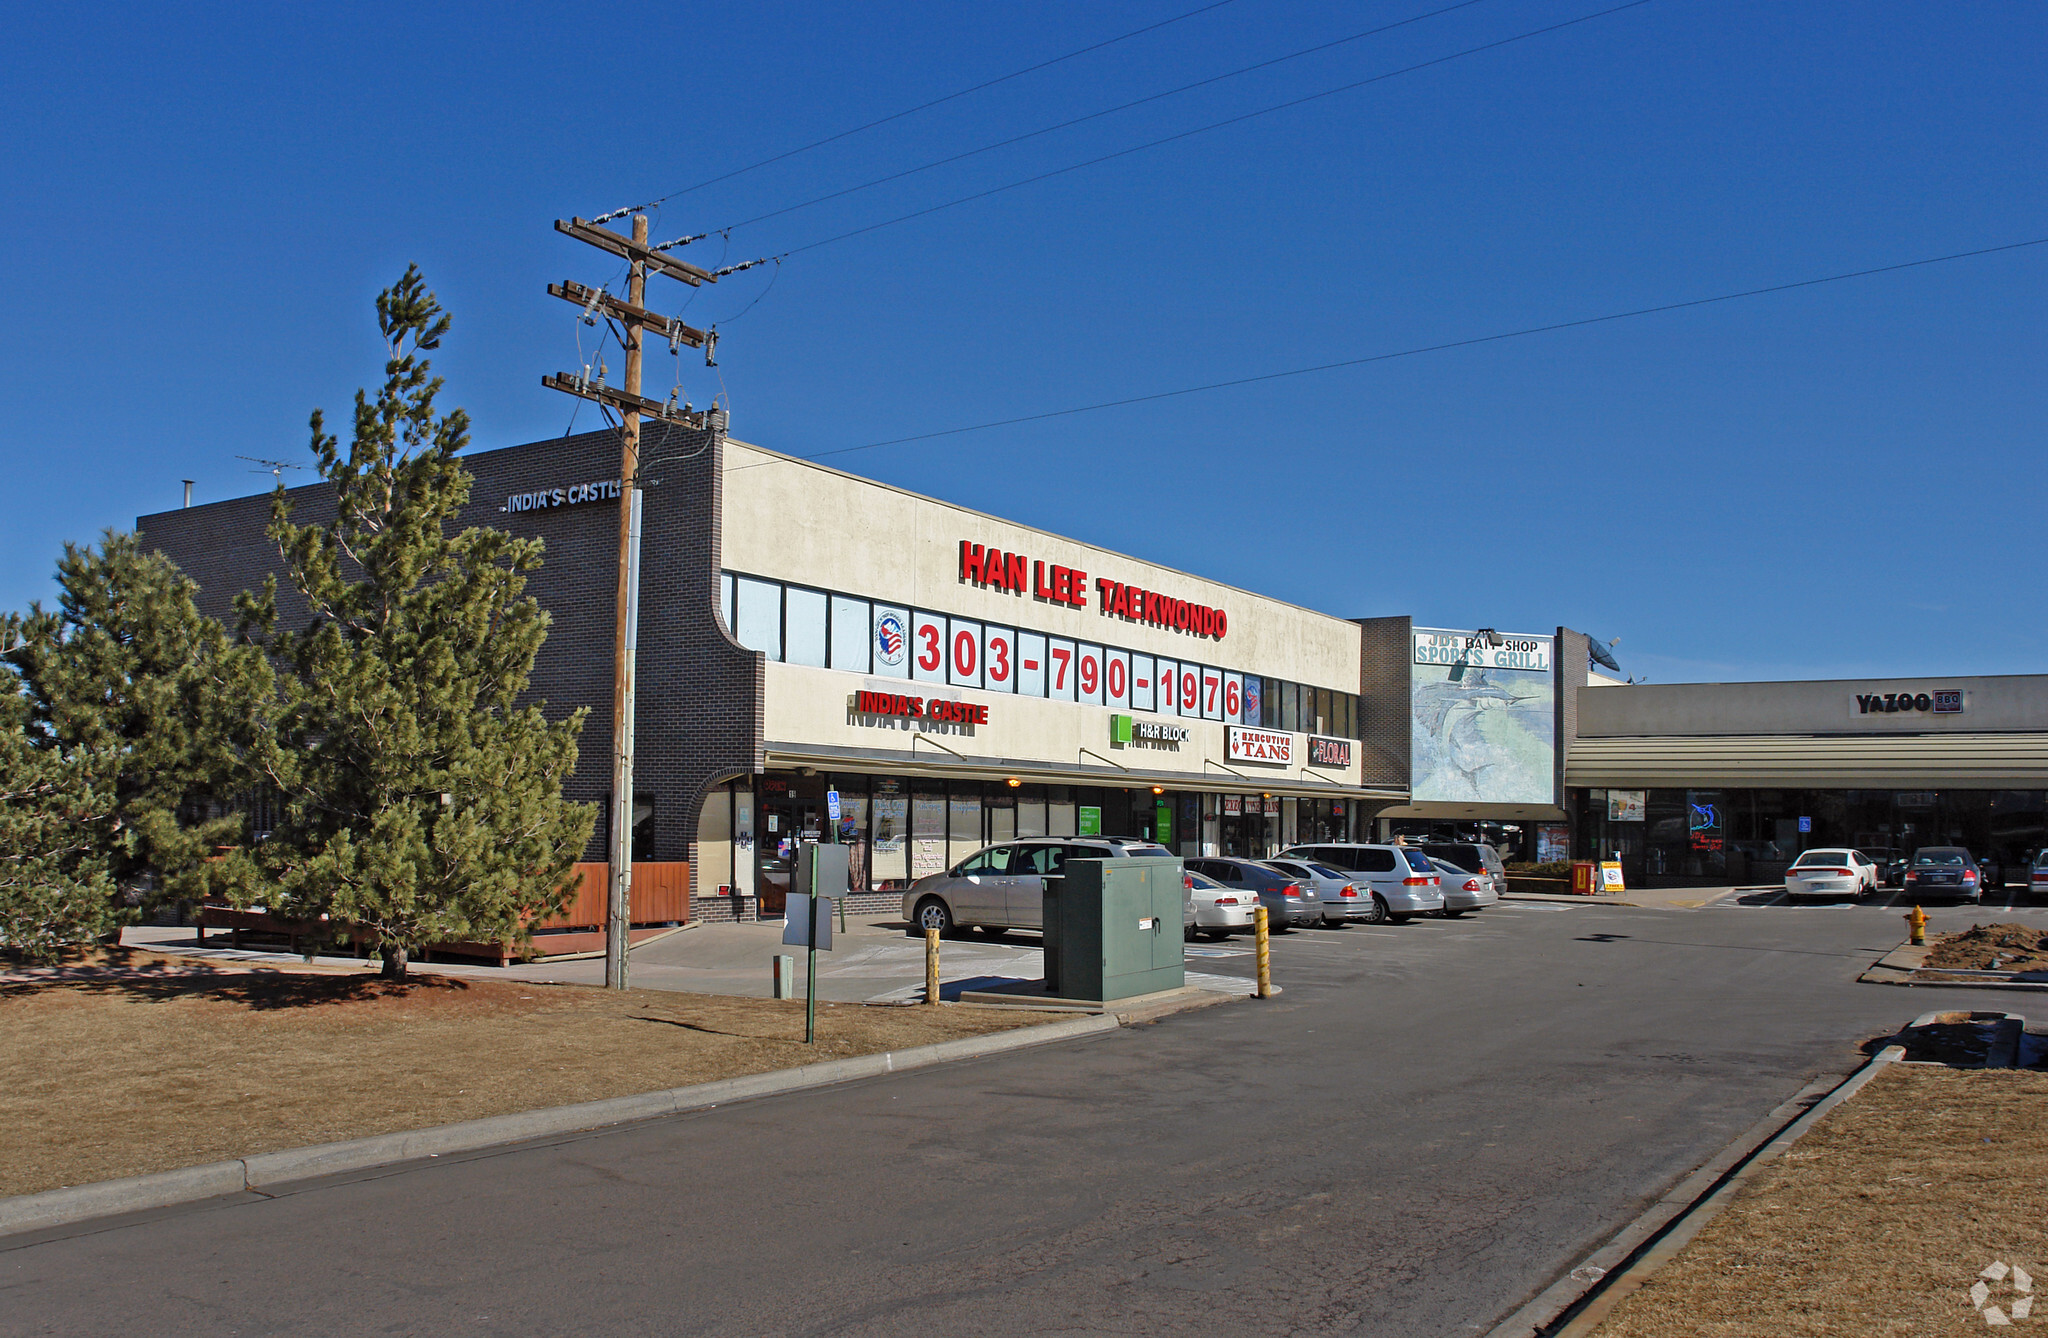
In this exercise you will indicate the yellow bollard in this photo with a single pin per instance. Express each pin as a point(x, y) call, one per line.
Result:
point(1916, 920)
point(931, 966)
point(1265, 952)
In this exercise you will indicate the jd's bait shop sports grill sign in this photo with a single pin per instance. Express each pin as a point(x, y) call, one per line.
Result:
point(1258, 745)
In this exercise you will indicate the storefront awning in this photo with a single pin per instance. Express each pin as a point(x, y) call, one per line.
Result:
point(934, 760)
point(1819, 761)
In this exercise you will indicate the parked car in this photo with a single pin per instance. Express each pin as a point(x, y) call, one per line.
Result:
point(1289, 905)
point(1890, 862)
point(1464, 890)
point(1340, 896)
point(1003, 886)
point(2037, 878)
point(1476, 858)
point(1400, 879)
point(1831, 873)
point(1219, 910)
point(1945, 871)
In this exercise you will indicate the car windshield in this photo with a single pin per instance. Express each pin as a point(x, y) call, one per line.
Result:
point(1942, 858)
point(1418, 861)
point(1823, 857)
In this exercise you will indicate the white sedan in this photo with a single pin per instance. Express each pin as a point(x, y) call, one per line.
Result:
point(1831, 873)
point(1219, 910)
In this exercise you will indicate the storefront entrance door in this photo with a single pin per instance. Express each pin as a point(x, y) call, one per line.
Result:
point(784, 821)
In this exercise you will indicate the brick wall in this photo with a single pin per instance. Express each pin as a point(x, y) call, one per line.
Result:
point(699, 695)
point(1570, 650)
point(1385, 687)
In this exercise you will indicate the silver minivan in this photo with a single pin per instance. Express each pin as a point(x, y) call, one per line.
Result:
point(1401, 879)
point(1003, 886)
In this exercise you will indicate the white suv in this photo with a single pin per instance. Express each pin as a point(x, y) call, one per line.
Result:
point(1402, 881)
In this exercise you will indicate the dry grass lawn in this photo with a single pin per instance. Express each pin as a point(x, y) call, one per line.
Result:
point(1877, 1222)
point(159, 1064)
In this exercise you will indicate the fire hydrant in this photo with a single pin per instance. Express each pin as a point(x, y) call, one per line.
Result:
point(1916, 920)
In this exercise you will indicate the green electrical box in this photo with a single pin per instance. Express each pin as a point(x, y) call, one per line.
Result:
point(1113, 928)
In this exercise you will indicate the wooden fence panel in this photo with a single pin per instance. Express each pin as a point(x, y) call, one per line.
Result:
point(661, 892)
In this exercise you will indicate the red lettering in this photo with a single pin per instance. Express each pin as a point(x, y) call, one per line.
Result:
point(992, 568)
point(1013, 572)
point(1222, 624)
point(1079, 590)
point(1039, 588)
point(970, 561)
point(913, 706)
point(1063, 585)
point(1105, 594)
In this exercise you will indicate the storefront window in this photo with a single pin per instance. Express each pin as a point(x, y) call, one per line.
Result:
point(803, 622)
point(1002, 815)
point(890, 848)
point(1031, 817)
point(927, 831)
point(758, 611)
point(850, 634)
point(963, 825)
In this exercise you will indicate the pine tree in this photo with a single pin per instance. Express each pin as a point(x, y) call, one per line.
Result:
point(421, 801)
point(124, 706)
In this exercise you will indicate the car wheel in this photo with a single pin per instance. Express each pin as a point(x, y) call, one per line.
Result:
point(1216, 935)
point(933, 914)
point(1187, 933)
point(1376, 914)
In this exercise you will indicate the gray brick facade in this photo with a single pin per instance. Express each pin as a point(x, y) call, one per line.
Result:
point(699, 703)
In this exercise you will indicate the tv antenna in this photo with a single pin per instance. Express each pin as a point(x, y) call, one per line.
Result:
point(274, 468)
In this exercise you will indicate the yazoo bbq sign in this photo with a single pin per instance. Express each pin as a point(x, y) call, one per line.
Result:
point(1940, 701)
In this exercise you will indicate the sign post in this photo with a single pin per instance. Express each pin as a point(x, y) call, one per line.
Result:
point(832, 820)
point(821, 871)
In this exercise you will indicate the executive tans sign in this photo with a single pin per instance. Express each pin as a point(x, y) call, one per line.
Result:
point(1272, 747)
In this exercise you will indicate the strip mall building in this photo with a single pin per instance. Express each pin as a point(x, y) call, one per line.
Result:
point(956, 678)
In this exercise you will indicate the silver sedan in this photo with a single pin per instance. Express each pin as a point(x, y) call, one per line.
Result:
point(1341, 899)
point(1464, 891)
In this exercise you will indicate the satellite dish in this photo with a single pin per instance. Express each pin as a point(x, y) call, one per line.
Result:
point(1602, 656)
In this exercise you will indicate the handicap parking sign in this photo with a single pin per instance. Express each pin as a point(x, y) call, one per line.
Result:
point(832, 804)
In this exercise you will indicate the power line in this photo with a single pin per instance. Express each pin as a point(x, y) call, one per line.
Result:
point(1216, 125)
point(923, 106)
point(1434, 348)
point(1095, 116)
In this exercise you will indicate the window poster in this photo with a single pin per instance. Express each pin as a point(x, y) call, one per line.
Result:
point(891, 826)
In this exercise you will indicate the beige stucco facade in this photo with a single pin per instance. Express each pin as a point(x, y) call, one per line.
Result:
point(796, 520)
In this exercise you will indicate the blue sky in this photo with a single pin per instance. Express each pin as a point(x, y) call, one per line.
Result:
point(203, 203)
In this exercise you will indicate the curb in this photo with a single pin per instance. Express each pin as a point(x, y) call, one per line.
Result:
point(269, 1171)
point(1576, 1304)
point(1903, 963)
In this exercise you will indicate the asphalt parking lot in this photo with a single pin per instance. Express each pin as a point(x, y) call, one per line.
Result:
point(1434, 1122)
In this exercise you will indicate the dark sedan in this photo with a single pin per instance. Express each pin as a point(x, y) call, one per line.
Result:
point(1944, 871)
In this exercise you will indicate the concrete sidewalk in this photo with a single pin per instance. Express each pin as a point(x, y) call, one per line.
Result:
point(875, 960)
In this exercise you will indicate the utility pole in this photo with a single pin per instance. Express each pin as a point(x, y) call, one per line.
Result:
point(633, 315)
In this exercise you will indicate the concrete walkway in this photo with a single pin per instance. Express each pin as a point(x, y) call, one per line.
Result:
point(874, 961)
